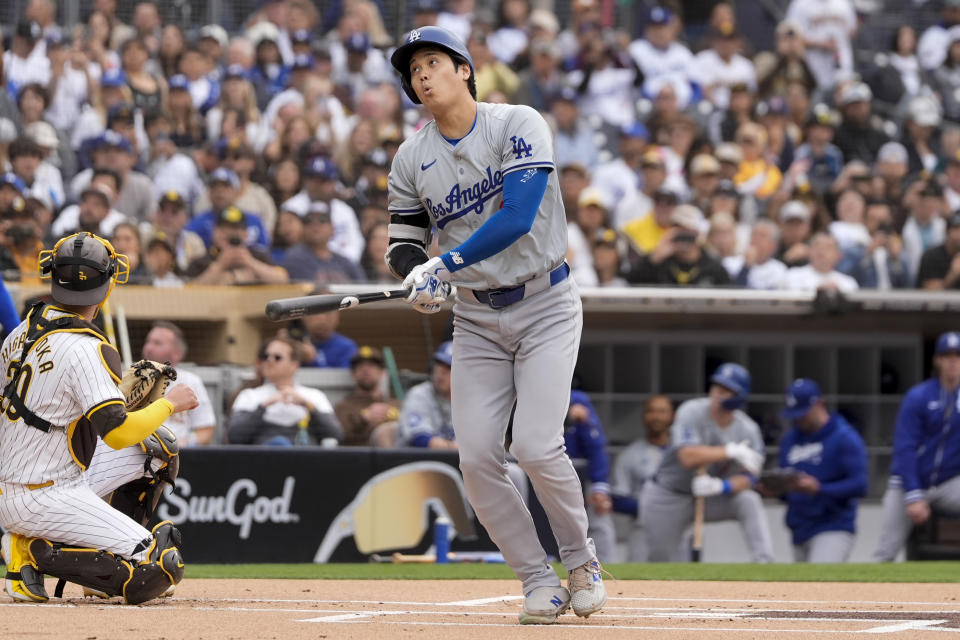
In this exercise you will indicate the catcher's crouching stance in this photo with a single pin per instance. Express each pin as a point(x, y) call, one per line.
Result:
point(71, 438)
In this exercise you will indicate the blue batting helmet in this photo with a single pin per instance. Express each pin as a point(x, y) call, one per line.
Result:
point(734, 377)
point(423, 37)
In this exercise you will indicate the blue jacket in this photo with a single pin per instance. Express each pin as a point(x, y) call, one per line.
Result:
point(204, 223)
point(336, 352)
point(926, 443)
point(836, 456)
point(587, 440)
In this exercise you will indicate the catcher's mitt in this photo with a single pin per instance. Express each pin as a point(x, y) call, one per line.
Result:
point(144, 382)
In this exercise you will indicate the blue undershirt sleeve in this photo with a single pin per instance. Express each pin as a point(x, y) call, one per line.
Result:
point(8, 311)
point(522, 193)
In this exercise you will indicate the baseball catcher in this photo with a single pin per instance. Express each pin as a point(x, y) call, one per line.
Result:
point(70, 438)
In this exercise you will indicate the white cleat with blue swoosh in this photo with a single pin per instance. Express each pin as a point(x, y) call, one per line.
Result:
point(544, 604)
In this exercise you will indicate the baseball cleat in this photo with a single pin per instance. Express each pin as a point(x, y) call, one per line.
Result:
point(587, 593)
point(23, 581)
point(544, 604)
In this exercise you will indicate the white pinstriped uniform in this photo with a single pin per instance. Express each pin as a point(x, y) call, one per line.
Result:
point(69, 378)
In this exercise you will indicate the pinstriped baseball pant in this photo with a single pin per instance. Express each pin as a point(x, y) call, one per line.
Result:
point(524, 353)
point(72, 511)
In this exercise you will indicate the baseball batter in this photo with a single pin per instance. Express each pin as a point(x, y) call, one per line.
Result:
point(925, 470)
point(714, 434)
point(483, 175)
point(60, 399)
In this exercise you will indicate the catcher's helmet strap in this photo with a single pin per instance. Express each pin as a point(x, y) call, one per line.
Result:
point(38, 328)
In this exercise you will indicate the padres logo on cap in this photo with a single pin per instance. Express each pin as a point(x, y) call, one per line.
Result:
point(232, 214)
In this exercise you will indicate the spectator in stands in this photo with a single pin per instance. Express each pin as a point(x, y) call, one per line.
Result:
point(584, 438)
point(542, 80)
point(892, 168)
point(281, 411)
point(720, 67)
point(160, 259)
point(933, 45)
point(704, 180)
point(321, 178)
point(660, 58)
point(899, 74)
point(849, 229)
point(492, 75)
point(758, 268)
point(611, 258)
point(647, 232)
point(231, 258)
point(940, 265)
point(858, 137)
point(135, 196)
point(776, 71)
point(926, 462)
point(367, 415)
point(170, 220)
point(604, 78)
point(223, 191)
point(284, 176)
point(165, 342)
point(882, 265)
point(95, 212)
point(574, 178)
point(828, 461)
point(919, 133)
point(951, 190)
point(33, 103)
point(925, 227)
point(756, 176)
point(21, 65)
point(126, 240)
point(828, 27)
point(313, 260)
point(782, 134)
point(188, 130)
point(252, 198)
point(426, 419)
point(796, 224)
point(721, 242)
point(590, 218)
point(573, 136)
point(167, 165)
point(322, 345)
point(636, 465)
point(821, 273)
point(638, 199)
point(679, 258)
point(374, 268)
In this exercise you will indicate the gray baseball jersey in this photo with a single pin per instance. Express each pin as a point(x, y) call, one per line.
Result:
point(694, 426)
point(461, 186)
point(634, 466)
point(425, 413)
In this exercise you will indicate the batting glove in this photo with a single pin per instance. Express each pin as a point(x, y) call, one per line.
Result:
point(750, 460)
point(428, 285)
point(706, 486)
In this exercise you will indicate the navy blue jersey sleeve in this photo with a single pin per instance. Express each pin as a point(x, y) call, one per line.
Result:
point(522, 193)
point(853, 461)
point(594, 444)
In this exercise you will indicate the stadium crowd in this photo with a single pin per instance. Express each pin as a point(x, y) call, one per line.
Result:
point(262, 155)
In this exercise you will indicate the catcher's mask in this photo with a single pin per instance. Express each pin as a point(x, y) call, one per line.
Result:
point(83, 268)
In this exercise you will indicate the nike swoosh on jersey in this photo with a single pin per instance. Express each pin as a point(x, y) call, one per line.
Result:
point(424, 167)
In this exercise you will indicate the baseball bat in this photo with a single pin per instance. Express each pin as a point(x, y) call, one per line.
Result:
point(697, 547)
point(290, 308)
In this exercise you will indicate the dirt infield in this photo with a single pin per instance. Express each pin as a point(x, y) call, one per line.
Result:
point(481, 609)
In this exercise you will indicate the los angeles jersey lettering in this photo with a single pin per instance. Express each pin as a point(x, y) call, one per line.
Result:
point(465, 188)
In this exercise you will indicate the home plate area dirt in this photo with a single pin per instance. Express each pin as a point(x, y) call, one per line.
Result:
point(485, 609)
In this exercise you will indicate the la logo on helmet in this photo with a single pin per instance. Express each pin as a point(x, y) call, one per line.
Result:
point(414, 36)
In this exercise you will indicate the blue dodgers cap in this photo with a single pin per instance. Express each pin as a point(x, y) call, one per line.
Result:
point(322, 167)
point(224, 175)
point(801, 395)
point(660, 16)
point(635, 130)
point(444, 353)
point(13, 180)
point(178, 81)
point(110, 139)
point(301, 36)
point(948, 342)
point(358, 42)
point(113, 78)
point(303, 61)
point(237, 71)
